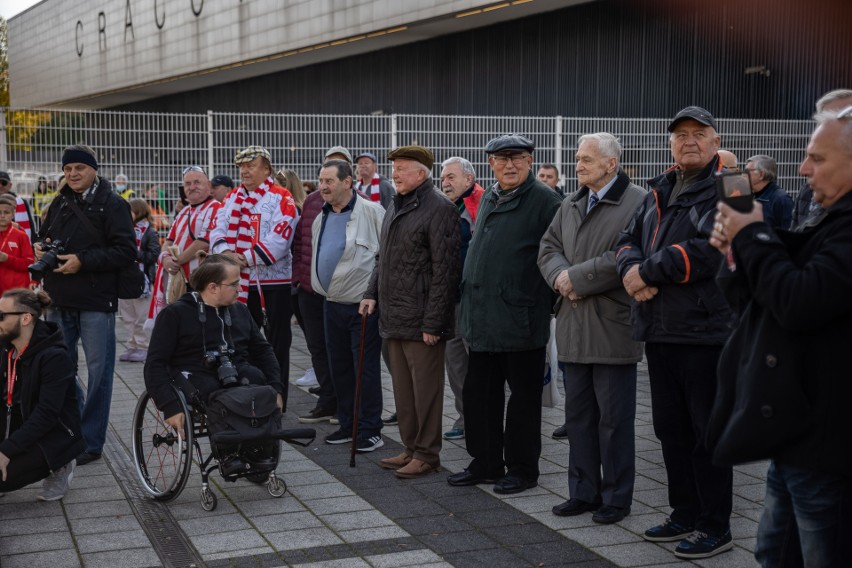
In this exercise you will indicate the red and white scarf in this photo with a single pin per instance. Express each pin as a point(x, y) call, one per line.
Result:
point(375, 188)
point(244, 228)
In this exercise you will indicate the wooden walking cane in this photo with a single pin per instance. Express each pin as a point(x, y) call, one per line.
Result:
point(358, 389)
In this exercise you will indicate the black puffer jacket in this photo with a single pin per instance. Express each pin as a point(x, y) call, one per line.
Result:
point(95, 287)
point(417, 270)
point(48, 399)
point(177, 345)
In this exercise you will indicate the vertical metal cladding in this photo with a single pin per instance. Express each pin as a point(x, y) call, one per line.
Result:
point(628, 58)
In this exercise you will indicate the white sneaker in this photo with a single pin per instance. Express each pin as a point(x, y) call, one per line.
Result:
point(57, 483)
point(309, 380)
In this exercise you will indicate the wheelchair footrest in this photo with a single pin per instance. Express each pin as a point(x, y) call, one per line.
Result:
point(297, 435)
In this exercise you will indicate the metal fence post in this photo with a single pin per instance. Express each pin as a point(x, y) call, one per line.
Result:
point(3, 160)
point(210, 144)
point(393, 132)
point(557, 150)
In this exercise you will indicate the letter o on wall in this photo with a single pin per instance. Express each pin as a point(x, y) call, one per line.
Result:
point(77, 32)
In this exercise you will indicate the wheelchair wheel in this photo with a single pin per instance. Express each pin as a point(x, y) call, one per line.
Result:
point(276, 487)
point(208, 499)
point(163, 456)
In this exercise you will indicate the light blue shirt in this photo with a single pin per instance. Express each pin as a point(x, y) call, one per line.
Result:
point(601, 192)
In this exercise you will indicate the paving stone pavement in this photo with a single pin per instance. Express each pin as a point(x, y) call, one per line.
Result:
point(334, 515)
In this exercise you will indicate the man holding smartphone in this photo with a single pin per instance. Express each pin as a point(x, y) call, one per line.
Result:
point(668, 267)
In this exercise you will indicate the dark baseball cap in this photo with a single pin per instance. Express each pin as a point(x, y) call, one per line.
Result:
point(222, 180)
point(695, 113)
point(4, 176)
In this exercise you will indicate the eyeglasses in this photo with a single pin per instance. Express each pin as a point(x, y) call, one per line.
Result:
point(845, 113)
point(503, 159)
point(4, 182)
point(234, 285)
point(192, 169)
point(4, 314)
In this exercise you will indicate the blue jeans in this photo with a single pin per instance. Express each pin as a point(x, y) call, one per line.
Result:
point(801, 522)
point(97, 332)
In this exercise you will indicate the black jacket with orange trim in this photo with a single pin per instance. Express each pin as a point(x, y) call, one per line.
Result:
point(670, 244)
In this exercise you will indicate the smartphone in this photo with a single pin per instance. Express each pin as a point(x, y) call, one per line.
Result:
point(734, 188)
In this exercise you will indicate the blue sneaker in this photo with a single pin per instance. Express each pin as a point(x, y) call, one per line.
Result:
point(454, 434)
point(702, 545)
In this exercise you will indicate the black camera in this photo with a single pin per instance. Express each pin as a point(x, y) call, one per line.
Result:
point(221, 361)
point(48, 261)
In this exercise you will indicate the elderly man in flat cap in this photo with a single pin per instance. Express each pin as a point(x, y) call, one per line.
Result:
point(414, 284)
point(505, 318)
point(255, 225)
point(668, 266)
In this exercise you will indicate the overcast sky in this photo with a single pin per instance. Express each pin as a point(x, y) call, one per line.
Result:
point(9, 8)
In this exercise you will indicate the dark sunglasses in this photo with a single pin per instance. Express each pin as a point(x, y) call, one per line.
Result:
point(4, 182)
point(4, 314)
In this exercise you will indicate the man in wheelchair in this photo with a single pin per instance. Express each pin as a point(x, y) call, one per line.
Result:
point(205, 342)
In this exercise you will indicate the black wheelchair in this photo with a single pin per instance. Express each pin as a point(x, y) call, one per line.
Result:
point(163, 456)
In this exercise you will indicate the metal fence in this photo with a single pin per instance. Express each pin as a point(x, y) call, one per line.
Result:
point(152, 149)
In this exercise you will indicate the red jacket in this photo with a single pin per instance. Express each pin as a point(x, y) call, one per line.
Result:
point(13, 273)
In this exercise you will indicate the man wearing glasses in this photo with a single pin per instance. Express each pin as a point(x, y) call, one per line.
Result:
point(23, 216)
point(505, 318)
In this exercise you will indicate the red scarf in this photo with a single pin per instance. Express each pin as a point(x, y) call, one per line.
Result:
point(244, 227)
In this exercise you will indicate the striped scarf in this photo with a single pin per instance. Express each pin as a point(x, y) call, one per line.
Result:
point(244, 228)
point(375, 190)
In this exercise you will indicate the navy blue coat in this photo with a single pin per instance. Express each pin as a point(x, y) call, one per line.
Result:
point(670, 244)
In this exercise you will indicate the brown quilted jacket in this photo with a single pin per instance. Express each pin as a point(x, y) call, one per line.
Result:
point(417, 269)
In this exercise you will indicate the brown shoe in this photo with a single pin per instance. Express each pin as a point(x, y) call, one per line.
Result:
point(395, 462)
point(416, 468)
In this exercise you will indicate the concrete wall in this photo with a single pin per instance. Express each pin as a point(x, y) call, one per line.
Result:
point(67, 51)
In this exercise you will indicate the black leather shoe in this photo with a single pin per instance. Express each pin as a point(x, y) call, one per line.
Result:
point(467, 477)
point(314, 390)
point(513, 484)
point(573, 507)
point(87, 457)
point(561, 433)
point(609, 514)
point(390, 420)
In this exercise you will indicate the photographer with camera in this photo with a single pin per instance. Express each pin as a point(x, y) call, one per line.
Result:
point(209, 338)
point(85, 241)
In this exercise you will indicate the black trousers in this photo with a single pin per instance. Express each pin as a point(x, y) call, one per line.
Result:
point(26, 468)
point(683, 388)
point(279, 310)
point(313, 324)
point(519, 448)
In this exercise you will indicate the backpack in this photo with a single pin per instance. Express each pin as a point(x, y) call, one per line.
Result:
point(242, 414)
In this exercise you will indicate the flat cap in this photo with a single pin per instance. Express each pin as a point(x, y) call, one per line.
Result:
point(222, 180)
point(367, 155)
point(339, 150)
point(509, 142)
point(250, 154)
point(416, 153)
point(695, 113)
